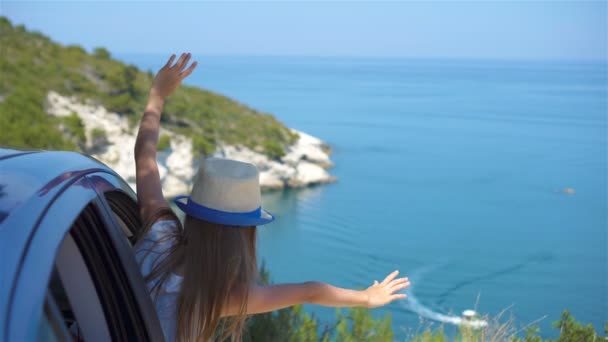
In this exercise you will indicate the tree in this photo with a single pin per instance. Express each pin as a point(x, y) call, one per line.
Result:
point(101, 53)
point(572, 331)
point(359, 325)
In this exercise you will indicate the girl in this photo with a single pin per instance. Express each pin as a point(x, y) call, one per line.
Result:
point(206, 270)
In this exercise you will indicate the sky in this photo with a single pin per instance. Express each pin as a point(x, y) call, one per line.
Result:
point(539, 30)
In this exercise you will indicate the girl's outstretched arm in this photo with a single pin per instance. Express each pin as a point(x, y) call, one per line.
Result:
point(147, 178)
point(274, 297)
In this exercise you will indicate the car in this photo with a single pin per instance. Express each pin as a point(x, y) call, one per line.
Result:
point(68, 224)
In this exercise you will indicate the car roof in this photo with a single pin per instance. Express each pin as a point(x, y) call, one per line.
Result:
point(30, 181)
point(8, 153)
point(27, 176)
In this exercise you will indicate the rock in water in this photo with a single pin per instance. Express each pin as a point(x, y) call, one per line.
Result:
point(569, 191)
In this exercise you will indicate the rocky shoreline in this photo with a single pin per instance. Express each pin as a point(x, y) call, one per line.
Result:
point(305, 163)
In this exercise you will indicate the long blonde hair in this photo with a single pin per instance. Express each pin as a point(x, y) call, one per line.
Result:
point(218, 262)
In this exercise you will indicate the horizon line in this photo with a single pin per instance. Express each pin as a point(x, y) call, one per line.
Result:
point(394, 57)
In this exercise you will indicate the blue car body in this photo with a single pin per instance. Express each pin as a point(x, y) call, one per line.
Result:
point(43, 194)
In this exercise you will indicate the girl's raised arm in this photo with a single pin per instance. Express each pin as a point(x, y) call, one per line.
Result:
point(147, 178)
point(274, 297)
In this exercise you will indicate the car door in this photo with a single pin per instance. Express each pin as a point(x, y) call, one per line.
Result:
point(78, 278)
point(122, 213)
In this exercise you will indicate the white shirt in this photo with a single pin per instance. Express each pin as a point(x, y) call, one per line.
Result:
point(149, 255)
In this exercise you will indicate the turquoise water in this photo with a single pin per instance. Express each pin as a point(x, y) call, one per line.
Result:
point(451, 171)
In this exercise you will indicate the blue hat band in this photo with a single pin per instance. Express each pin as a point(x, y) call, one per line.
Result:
point(251, 218)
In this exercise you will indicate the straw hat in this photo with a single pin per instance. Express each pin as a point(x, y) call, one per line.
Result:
point(226, 192)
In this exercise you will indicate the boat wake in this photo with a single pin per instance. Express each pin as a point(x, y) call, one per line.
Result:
point(537, 258)
point(413, 304)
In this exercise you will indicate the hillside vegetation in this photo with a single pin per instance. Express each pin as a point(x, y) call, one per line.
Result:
point(31, 65)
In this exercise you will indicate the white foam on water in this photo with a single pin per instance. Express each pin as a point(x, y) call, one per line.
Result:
point(412, 304)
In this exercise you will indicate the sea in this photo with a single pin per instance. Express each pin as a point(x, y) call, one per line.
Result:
point(483, 181)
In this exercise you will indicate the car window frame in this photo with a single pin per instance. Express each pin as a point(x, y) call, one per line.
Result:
point(31, 281)
point(122, 312)
point(79, 283)
point(27, 304)
point(116, 185)
point(54, 318)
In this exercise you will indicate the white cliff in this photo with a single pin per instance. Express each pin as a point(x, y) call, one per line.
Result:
point(303, 165)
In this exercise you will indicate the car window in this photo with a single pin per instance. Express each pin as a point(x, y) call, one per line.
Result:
point(93, 238)
point(72, 307)
point(74, 289)
point(120, 216)
point(58, 309)
point(126, 213)
point(89, 285)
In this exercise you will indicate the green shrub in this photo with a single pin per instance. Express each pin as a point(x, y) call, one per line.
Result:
point(4, 21)
point(164, 142)
point(101, 53)
point(120, 103)
point(430, 336)
point(98, 133)
point(74, 124)
point(202, 146)
point(571, 330)
point(273, 149)
point(25, 125)
point(98, 137)
point(506, 331)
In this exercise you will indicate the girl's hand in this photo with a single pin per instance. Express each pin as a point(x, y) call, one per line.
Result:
point(169, 77)
point(380, 294)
